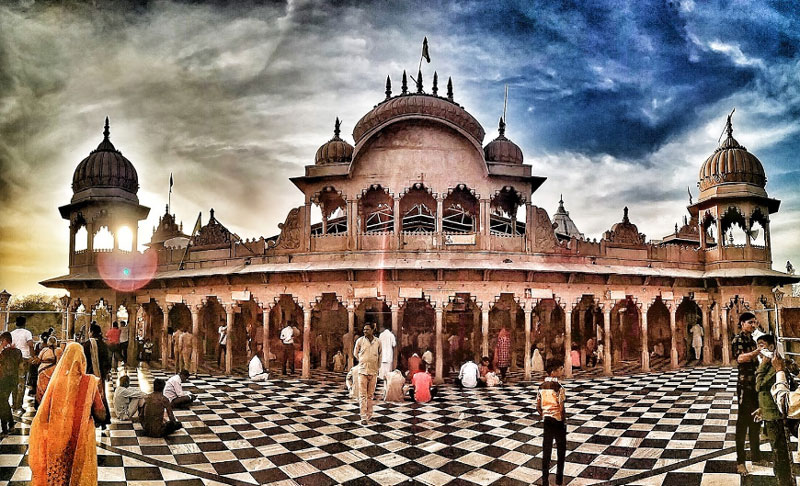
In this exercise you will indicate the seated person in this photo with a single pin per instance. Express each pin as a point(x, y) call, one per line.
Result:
point(468, 375)
point(484, 369)
point(126, 399)
point(414, 365)
point(338, 361)
point(152, 410)
point(174, 391)
point(575, 357)
point(427, 356)
point(393, 391)
point(421, 389)
point(256, 370)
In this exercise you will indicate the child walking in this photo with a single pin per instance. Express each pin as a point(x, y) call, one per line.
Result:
point(550, 403)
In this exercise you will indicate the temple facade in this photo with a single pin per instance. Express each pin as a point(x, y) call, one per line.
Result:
point(422, 227)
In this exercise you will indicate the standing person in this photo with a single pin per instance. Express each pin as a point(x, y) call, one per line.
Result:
point(185, 345)
point(222, 342)
point(176, 348)
point(48, 358)
point(697, 340)
point(10, 359)
point(153, 410)
point(112, 341)
point(502, 352)
point(98, 363)
point(124, 336)
point(62, 448)
point(22, 339)
point(287, 341)
point(773, 421)
point(551, 405)
point(745, 352)
point(388, 343)
point(368, 354)
point(468, 374)
point(338, 361)
point(174, 391)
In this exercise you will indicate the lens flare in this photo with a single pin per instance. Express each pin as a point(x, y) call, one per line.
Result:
point(126, 272)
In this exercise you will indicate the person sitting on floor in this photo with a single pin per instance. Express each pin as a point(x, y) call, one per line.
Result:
point(174, 391)
point(152, 410)
point(126, 399)
point(468, 375)
point(393, 390)
point(256, 369)
point(483, 371)
point(421, 389)
point(414, 365)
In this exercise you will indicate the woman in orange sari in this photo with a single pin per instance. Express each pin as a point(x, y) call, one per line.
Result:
point(62, 448)
point(48, 358)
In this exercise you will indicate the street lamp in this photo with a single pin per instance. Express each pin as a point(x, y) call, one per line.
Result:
point(5, 297)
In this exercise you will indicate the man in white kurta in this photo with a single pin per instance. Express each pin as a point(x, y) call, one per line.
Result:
point(388, 343)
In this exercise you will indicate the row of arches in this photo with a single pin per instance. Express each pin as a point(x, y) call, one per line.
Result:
point(104, 239)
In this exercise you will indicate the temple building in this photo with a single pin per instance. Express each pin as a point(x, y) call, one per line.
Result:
point(426, 229)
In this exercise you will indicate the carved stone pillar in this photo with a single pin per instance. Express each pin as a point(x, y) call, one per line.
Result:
point(266, 310)
point(726, 343)
point(164, 338)
point(398, 222)
point(706, 333)
point(485, 330)
point(484, 226)
point(230, 310)
point(528, 310)
point(512, 316)
point(439, 214)
point(645, 340)
point(306, 342)
point(351, 325)
point(395, 308)
point(582, 327)
point(439, 354)
point(607, 339)
point(196, 359)
point(673, 361)
point(568, 340)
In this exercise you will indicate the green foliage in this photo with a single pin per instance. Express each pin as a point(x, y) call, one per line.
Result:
point(36, 323)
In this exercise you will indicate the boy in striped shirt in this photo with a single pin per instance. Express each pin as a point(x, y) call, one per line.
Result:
point(550, 403)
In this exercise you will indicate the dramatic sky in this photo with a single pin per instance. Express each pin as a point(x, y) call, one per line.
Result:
point(615, 102)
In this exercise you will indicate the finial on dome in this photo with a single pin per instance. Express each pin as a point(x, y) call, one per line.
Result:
point(405, 84)
point(676, 228)
point(501, 127)
point(560, 199)
point(729, 125)
point(106, 131)
point(211, 212)
point(450, 88)
point(388, 87)
point(625, 215)
point(337, 128)
point(419, 81)
point(435, 84)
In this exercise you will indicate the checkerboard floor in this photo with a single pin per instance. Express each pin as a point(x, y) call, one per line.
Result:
point(673, 427)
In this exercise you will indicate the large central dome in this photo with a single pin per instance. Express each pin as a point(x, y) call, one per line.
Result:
point(105, 167)
point(731, 162)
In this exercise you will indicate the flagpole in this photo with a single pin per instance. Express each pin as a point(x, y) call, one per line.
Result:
point(194, 232)
point(169, 196)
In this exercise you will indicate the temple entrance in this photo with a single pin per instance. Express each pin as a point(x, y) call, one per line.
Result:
point(417, 328)
point(547, 334)
point(461, 331)
point(687, 335)
point(626, 332)
point(328, 326)
point(286, 311)
point(212, 317)
point(659, 335)
point(507, 316)
point(585, 320)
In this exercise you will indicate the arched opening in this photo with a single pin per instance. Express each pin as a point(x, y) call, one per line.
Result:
point(81, 239)
point(659, 336)
point(286, 311)
point(101, 314)
point(151, 330)
point(460, 213)
point(103, 239)
point(733, 227)
point(504, 210)
point(418, 208)
point(180, 319)
point(507, 316)
point(125, 238)
point(212, 317)
point(758, 231)
point(709, 223)
point(331, 210)
point(328, 326)
point(376, 210)
point(247, 333)
point(462, 319)
point(584, 329)
point(689, 332)
point(547, 334)
point(417, 329)
point(626, 342)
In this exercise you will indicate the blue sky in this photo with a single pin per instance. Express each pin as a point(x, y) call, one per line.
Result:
point(616, 102)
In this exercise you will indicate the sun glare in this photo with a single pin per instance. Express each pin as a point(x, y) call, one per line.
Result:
point(125, 238)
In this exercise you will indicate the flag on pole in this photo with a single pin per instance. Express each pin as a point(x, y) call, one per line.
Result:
point(425, 54)
point(197, 225)
point(171, 182)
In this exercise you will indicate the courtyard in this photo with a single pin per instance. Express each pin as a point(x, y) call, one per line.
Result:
point(667, 427)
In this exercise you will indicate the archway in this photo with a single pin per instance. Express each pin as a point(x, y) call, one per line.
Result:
point(180, 319)
point(462, 326)
point(659, 335)
point(418, 209)
point(376, 210)
point(81, 239)
point(212, 317)
point(417, 328)
point(585, 319)
point(733, 227)
point(152, 329)
point(103, 239)
point(687, 315)
point(507, 314)
point(286, 311)
point(328, 326)
point(548, 333)
point(332, 209)
point(248, 331)
point(101, 314)
point(503, 209)
point(626, 341)
point(758, 229)
point(709, 223)
point(460, 211)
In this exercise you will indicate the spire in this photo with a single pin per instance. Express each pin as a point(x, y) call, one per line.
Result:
point(676, 228)
point(450, 89)
point(388, 87)
point(501, 127)
point(405, 84)
point(106, 131)
point(729, 125)
point(729, 141)
point(212, 214)
point(337, 128)
point(625, 215)
point(435, 84)
point(419, 81)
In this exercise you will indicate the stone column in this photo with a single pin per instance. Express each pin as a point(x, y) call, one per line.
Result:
point(398, 222)
point(307, 226)
point(582, 327)
point(266, 310)
point(485, 330)
point(485, 223)
point(306, 342)
point(395, 308)
point(726, 344)
point(439, 310)
point(528, 314)
point(706, 333)
point(439, 214)
point(607, 338)
point(351, 328)
point(645, 340)
point(196, 359)
point(673, 361)
point(230, 344)
point(568, 340)
point(164, 337)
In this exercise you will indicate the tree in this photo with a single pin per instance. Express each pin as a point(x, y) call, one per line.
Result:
point(36, 323)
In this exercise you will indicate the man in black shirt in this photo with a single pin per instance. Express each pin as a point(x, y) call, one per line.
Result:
point(746, 352)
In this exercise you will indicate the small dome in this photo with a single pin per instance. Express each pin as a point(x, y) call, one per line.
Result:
point(731, 162)
point(502, 149)
point(335, 150)
point(105, 167)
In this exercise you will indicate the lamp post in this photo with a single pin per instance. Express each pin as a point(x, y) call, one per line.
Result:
point(5, 297)
point(65, 301)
